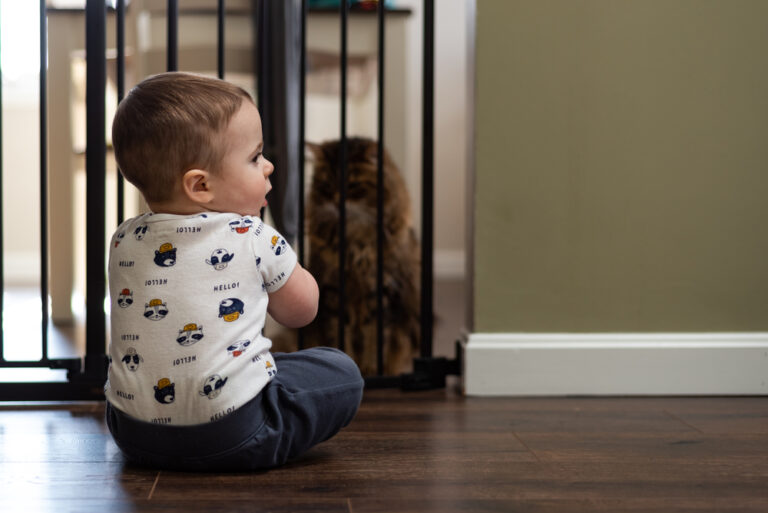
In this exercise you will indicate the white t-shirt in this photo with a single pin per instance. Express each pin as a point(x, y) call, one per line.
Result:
point(188, 301)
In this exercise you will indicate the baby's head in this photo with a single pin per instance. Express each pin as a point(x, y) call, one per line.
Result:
point(171, 123)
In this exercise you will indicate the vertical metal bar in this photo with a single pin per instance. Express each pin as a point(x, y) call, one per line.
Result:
point(344, 8)
point(220, 39)
point(380, 203)
point(44, 177)
point(427, 187)
point(120, 19)
point(259, 21)
point(95, 171)
point(2, 231)
point(172, 45)
point(302, 114)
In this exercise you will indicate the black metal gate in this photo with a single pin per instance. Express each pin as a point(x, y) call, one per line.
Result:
point(86, 375)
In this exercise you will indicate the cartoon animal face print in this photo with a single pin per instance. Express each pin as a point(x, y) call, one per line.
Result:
point(279, 245)
point(212, 386)
point(191, 334)
point(220, 258)
point(155, 310)
point(119, 238)
point(132, 359)
point(238, 347)
point(165, 391)
point(271, 369)
point(231, 309)
point(241, 225)
point(166, 255)
point(140, 232)
point(125, 299)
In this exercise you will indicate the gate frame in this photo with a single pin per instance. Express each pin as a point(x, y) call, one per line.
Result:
point(86, 376)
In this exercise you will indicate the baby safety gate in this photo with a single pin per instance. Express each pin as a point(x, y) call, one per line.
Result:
point(86, 373)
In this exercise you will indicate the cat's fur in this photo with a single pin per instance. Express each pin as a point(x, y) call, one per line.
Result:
point(401, 266)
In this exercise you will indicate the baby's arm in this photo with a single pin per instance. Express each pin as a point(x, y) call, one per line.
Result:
point(295, 304)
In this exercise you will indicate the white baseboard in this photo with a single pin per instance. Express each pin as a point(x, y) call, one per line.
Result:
point(515, 364)
point(22, 268)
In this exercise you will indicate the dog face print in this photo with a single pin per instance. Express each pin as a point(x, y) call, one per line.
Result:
point(212, 386)
point(140, 232)
point(220, 258)
point(238, 347)
point(132, 359)
point(241, 225)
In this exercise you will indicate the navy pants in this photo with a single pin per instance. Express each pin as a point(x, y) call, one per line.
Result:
point(315, 393)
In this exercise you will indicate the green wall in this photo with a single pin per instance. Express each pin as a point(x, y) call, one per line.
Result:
point(621, 166)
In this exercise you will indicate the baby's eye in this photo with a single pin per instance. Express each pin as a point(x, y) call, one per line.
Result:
point(256, 158)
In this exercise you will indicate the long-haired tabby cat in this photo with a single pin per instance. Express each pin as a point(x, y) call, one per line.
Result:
point(401, 266)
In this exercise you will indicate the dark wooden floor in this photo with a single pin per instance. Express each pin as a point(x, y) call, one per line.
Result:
point(424, 452)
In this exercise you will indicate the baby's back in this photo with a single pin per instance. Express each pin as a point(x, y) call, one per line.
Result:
point(188, 300)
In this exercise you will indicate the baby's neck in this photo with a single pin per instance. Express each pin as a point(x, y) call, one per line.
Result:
point(183, 208)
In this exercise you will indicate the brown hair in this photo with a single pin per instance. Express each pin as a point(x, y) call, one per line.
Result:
point(171, 123)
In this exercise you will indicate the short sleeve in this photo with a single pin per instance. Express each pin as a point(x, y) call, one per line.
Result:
point(275, 259)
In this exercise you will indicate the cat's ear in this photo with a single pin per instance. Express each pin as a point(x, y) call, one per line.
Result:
point(314, 150)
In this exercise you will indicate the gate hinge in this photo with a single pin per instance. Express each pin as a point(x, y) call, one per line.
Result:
point(429, 373)
point(89, 369)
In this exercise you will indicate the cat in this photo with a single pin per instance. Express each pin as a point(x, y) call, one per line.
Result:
point(401, 263)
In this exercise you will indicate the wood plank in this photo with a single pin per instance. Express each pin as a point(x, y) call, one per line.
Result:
point(432, 451)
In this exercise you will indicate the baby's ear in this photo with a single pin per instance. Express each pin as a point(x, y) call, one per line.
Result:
point(195, 185)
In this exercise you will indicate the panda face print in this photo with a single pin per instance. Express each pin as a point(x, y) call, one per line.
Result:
point(125, 299)
point(238, 347)
point(119, 238)
point(166, 255)
point(165, 391)
point(191, 334)
point(231, 309)
point(140, 232)
point(212, 386)
point(155, 310)
point(220, 258)
point(241, 225)
point(279, 245)
point(132, 359)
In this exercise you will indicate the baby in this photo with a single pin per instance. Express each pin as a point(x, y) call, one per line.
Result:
point(192, 384)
